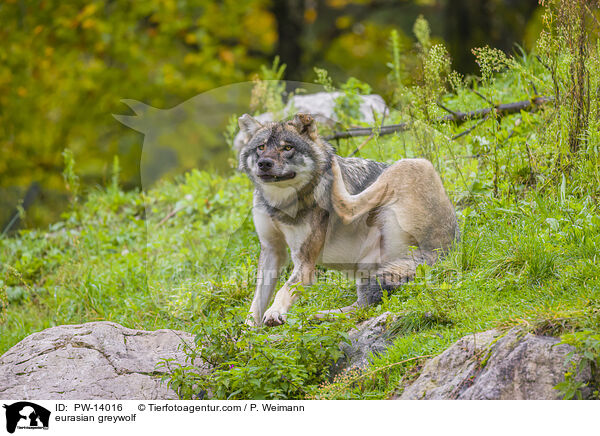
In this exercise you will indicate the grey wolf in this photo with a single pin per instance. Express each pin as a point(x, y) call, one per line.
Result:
point(376, 221)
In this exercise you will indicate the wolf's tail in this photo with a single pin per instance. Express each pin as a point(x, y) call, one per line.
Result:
point(391, 276)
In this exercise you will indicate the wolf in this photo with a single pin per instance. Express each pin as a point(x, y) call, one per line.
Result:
point(375, 221)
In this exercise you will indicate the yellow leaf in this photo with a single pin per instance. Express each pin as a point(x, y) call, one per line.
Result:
point(227, 56)
point(190, 58)
point(191, 38)
point(88, 23)
point(88, 10)
point(310, 15)
point(337, 4)
point(343, 22)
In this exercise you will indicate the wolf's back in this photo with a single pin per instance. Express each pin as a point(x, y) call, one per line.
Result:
point(358, 173)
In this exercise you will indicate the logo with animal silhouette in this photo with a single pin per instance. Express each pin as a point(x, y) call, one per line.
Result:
point(26, 415)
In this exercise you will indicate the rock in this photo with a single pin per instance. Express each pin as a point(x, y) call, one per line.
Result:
point(368, 338)
point(321, 106)
point(493, 366)
point(96, 360)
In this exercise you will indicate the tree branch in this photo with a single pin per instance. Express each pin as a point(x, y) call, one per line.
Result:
point(457, 117)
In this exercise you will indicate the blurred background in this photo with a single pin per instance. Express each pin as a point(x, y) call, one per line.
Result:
point(65, 66)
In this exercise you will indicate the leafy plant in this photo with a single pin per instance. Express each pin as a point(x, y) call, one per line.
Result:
point(256, 363)
point(587, 349)
point(324, 79)
point(70, 177)
point(347, 106)
point(395, 76)
point(268, 91)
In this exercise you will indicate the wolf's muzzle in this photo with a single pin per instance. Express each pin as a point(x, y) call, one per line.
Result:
point(265, 164)
point(266, 174)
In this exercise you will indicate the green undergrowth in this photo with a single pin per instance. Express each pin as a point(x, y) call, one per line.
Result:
point(183, 255)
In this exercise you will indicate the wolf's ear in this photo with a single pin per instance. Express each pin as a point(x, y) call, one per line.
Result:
point(248, 125)
point(305, 125)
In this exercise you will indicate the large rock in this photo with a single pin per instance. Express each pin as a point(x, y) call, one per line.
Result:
point(321, 106)
point(97, 360)
point(493, 366)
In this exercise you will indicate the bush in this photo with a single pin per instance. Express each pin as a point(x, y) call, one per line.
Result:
point(243, 362)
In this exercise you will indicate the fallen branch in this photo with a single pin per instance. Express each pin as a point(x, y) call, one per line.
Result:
point(170, 215)
point(362, 145)
point(457, 117)
point(483, 97)
point(470, 129)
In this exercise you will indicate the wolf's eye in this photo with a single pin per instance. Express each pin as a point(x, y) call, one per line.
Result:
point(287, 147)
point(261, 147)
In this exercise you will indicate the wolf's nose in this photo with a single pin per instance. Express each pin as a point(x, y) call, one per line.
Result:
point(265, 163)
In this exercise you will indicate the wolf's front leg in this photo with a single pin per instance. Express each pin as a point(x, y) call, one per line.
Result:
point(304, 257)
point(272, 260)
point(303, 274)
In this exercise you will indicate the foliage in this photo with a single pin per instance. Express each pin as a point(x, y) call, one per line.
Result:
point(587, 346)
point(70, 177)
point(347, 106)
point(324, 79)
point(395, 75)
point(268, 90)
point(249, 363)
point(64, 66)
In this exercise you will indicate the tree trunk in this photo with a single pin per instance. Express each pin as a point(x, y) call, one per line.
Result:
point(290, 24)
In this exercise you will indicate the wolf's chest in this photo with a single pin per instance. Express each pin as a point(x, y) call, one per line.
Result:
point(344, 247)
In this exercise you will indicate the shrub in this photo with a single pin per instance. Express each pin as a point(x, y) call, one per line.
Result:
point(244, 362)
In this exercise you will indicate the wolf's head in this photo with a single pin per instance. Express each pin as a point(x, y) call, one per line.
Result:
point(280, 156)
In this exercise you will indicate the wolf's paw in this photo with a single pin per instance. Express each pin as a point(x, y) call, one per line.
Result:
point(273, 317)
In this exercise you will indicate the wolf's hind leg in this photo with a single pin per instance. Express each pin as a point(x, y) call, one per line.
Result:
point(351, 207)
point(391, 276)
